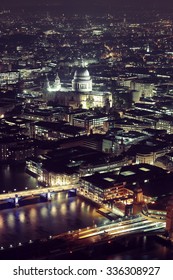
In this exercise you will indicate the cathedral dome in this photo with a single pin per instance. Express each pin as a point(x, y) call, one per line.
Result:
point(82, 81)
point(82, 74)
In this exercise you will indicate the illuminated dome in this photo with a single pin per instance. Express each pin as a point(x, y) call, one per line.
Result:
point(82, 81)
point(82, 74)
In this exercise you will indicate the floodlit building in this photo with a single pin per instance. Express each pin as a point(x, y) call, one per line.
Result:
point(82, 81)
point(100, 187)
point(79, 93)
point(54, 86)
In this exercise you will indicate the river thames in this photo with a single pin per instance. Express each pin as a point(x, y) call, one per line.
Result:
point(64, 213)
point(43, 219)
point(15, 178)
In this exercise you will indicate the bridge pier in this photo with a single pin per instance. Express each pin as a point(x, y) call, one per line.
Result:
point(72, 193)
point(16, 201)
point(49, 197)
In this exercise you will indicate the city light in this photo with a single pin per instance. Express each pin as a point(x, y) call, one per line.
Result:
point(86, 129)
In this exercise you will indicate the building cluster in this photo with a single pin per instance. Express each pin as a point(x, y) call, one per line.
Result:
point(89, 101)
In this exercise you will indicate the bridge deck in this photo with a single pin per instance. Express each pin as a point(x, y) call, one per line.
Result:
point(34, 192)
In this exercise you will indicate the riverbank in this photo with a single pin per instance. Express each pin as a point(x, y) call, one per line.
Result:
point(137, 247)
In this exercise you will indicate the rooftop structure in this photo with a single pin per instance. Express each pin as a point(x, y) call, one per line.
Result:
point(82, 81)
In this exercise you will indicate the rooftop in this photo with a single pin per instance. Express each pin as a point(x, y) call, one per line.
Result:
point(103, 180)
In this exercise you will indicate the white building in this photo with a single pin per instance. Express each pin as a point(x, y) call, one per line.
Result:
point(80, 94)
point(82, 81)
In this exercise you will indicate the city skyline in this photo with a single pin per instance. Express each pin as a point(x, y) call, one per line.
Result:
point(86, 132)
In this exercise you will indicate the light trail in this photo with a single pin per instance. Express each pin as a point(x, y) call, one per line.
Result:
point(125, 228)
point(137, 228)
point(111, 226)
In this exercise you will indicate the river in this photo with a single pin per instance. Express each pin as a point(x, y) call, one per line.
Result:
point(15, 178)
point(62, 214)
point(42, 219)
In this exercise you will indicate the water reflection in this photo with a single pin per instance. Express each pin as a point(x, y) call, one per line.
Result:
point(32, 213)
point(63, 209)
point(11, 220)
point(43, 219)
point(53, 211)
point(22, 217)
point(73, 207)
point(1, 222)
point(44, 212)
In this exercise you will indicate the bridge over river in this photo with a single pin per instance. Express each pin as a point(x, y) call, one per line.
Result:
point(55, 247)
point(14, 198)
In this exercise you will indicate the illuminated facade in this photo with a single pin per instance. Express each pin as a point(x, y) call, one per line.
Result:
point(61, 179)
point(89, 121)
point(82, 81)
point(165, 123)
point(138, 201)
point(9, 78)
point(101, 187)
point(141, 88)
point(81, 93)
point(151, 156)
point(145, 158)
point(13, 149)
point(95, 99)
point(55, 86)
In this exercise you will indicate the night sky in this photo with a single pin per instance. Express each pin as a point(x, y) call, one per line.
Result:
point(84, 3)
